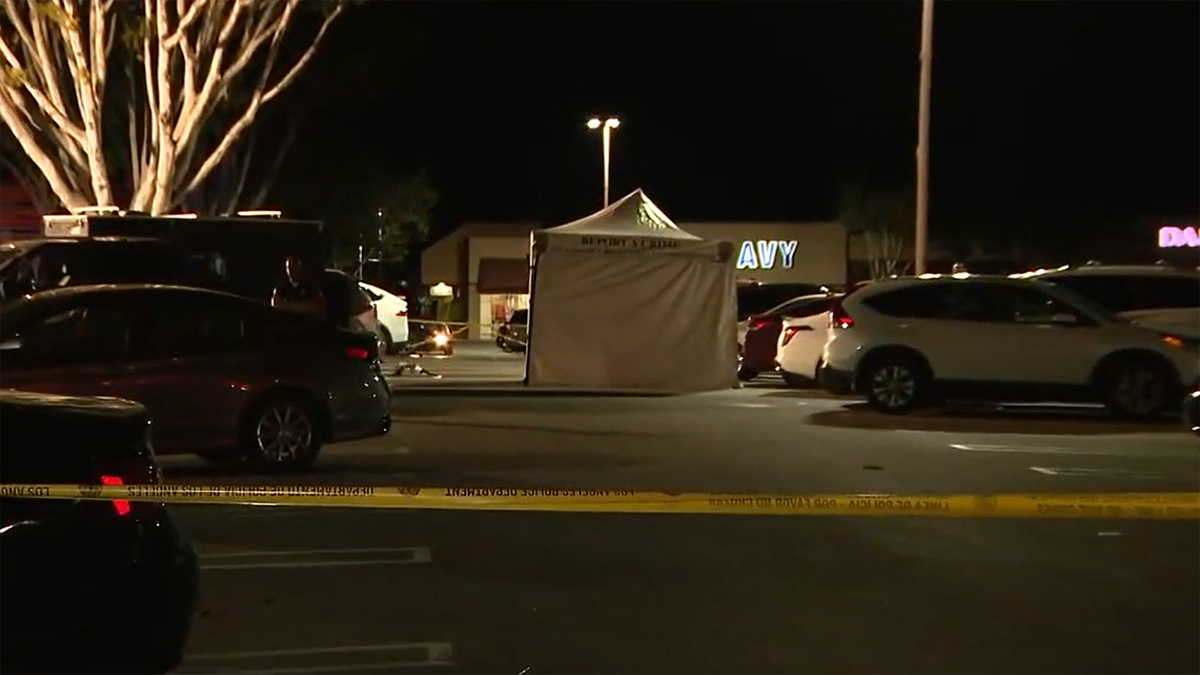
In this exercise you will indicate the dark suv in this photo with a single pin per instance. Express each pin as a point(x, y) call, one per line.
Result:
point(57, 263)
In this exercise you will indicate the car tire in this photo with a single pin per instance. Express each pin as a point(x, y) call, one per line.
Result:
point(1191, 412)
point(1137, 388)
point(795, 381)
point(745, 373)
point(386, 346)
point(895, 384)
point(281, 433)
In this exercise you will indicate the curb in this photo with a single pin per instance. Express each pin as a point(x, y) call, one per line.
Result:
point(510, 388)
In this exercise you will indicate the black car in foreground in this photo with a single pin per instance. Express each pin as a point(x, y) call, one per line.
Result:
point(87, 586)
point(1191, 412)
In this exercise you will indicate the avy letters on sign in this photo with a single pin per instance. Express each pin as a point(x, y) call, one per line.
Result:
point(766, 255)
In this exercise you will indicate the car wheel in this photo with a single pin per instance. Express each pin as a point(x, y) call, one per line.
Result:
point(282, 433)
point(745, 373)
point(386, 346)
point(1191, 412)
point(895, 384)
point(1137, 389)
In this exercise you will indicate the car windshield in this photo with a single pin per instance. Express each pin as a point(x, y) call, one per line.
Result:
point(8, 253)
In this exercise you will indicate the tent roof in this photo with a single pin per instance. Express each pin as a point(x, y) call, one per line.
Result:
point(634, 215)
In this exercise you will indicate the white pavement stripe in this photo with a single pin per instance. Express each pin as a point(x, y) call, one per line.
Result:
point(1100, 473)
point(1033, 450)
point(348, 668)
point(414, 551)
point(308, 565)
point(441, 653)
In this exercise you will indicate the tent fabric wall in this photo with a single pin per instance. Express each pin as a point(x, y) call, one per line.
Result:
point(623, 302)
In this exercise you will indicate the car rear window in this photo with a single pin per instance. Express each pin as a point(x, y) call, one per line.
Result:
point(799, 308)
point(919, 302)
point(758, 299)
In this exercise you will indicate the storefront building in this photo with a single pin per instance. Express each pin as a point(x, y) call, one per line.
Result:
point(487, 264)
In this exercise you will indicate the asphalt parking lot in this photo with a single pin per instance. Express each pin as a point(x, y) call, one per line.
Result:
point(301, 590)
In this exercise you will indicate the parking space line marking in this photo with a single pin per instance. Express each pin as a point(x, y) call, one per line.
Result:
point(319, 551)
point(308, 565)
point(1029, 449)
point(1099, 473)
point(441, 652)
point(349, 668)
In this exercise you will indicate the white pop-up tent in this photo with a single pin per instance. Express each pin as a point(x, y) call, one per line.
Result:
point(626, 300)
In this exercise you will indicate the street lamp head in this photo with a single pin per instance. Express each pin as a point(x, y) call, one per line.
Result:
point(594, 123)
point(612, 123)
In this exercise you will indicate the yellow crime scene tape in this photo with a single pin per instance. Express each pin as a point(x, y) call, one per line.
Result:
point(1156, 506)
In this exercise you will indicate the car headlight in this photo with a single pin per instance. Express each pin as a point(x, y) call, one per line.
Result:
point(441, 339)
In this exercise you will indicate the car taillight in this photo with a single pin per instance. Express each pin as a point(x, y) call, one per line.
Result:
point(359, 353)
point(121, 505)
point(757, 323)
point(789, 333)
point(402, 313)
point(838, 318)
point(136, 471)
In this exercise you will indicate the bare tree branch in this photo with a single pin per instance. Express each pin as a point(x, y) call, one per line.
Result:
point(55, 62)
point(261, 98)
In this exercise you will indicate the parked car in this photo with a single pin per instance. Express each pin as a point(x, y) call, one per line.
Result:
point(761, 342)
point(127, 556)
point(432, 337)
point(1191, 412)
point(363, 318)
point(801, 343)
point(513, 335)
point(906, 342)
point(391, 311)
point(223, 376)
point(755, 298)
point(82, 261)
point(1157, 296)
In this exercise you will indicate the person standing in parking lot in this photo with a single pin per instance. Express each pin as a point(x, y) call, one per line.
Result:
point(23, 283)
point(298, 292)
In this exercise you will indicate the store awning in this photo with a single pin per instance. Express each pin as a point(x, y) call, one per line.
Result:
point(503, 275)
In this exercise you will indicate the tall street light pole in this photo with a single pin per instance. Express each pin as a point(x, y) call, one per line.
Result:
point(607, 127)
point(922, 234)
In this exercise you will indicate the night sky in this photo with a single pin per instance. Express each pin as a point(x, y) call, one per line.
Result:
point(1066, 115)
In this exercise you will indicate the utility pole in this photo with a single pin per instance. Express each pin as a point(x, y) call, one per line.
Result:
point(921, 240)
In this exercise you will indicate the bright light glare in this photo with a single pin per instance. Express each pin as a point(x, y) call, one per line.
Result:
point(594, 123)
point(612, 123)
point(441, 339)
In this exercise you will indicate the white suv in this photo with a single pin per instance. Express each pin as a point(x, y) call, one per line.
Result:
point(906, 342)
point(1156, 295)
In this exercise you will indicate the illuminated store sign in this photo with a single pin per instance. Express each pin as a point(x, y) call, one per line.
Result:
point(766, 255)
point(1178, 237)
